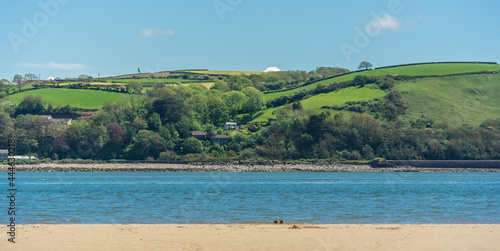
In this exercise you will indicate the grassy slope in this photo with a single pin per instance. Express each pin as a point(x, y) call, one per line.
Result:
point(208, 85)
point(153, 80)
point(333, 98)
point(86, 99)
point(228, 72)
point(340, 97)
point(414, 70)
point(461, 100)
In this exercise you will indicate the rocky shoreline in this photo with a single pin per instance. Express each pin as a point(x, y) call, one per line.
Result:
point(212, 167)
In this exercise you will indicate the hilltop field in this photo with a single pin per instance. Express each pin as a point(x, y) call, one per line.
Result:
point(413, 70)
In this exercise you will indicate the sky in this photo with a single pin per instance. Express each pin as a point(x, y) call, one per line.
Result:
point(65, 38)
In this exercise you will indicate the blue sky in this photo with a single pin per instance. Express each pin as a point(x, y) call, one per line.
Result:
point(93, 37)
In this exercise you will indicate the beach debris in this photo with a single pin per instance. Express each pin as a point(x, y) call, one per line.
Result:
point(275, 221)
point(282, 221)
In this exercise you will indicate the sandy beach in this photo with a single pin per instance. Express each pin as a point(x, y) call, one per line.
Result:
point(255, 237)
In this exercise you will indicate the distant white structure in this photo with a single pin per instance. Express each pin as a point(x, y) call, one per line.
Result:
point(51, 78)
point(65, 121)
point(4, 154)
point(272, 69)
point(230, 126)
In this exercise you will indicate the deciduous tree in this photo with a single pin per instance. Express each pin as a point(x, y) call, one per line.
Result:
point(365, 65)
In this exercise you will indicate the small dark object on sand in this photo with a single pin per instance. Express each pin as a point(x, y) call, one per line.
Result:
point(275, 221)
point(282, 221)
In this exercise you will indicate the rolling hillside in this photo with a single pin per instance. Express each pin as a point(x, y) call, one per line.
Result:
point(459, 99)
point(467, 99)
point(333, 98)
point(413, 70)
point(226, 72)
point(79, 98)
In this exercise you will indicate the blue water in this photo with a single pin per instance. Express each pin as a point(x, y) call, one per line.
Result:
point(255, 197)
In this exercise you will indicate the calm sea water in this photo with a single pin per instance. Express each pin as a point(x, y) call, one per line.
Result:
point(255, 197)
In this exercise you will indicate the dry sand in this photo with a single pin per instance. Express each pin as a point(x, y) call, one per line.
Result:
point(254, 237)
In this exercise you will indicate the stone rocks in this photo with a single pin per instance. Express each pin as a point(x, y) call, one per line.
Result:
point(209, 167)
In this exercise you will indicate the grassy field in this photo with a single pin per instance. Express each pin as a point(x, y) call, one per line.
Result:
point(461, 100)
point(414, 70)
point(333, 98)
point(208, 85)
point(86, 99)
point(228, 72)
point(152, 80)
point(155, 75)
point(340, 97)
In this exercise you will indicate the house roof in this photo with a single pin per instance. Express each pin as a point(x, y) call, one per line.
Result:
point(46, 116)
point(63, 119)
point(230, 123)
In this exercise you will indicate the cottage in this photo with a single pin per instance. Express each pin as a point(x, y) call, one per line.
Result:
point(230, 126)
point(220, 139)
point(201, 135)
point(4, 154)
point(46, 117)
point(65, 121)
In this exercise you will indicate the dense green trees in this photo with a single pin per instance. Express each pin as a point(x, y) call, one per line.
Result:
point(157, 125)
point(18, 80)
point(134, 86)
point(358, 136)
point(30, 105)
point(255, 100)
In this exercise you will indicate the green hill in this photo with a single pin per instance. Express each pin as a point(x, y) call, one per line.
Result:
point(229, 73)
point(468, 99)
point(79, 98)
point(412, 70)
point(332, 98)
point(465, 99)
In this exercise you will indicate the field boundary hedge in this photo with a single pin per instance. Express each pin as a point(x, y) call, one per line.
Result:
point(456, 62)
point(315, 81)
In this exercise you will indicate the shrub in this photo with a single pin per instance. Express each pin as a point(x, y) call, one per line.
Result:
point(169, 155)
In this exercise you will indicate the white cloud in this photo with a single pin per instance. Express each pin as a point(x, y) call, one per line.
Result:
point(389, 22)
point(57, 66)
point(386, 22)
point(412, 22)
point(272, 69)
point(145, 33)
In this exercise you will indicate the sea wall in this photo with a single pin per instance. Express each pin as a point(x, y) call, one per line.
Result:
point(447, 163)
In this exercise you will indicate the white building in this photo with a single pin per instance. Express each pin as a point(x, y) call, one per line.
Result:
point(4, 154)
point(64, 121)
point(230, 126)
